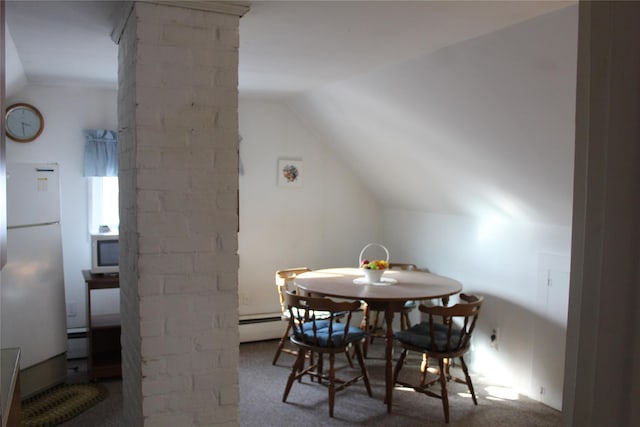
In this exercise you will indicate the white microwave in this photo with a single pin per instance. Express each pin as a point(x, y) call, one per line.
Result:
point(105, 254)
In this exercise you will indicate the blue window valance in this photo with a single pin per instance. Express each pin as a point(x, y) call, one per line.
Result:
point(101, 152)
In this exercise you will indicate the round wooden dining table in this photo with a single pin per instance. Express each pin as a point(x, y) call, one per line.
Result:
point(396, 287)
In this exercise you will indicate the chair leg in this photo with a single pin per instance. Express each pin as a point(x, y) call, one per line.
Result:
point(468, 378)
point(332, 383)
point(407, 321)
point(349, 359)
point(374, 327)
point(447, 368)
point(320, 367)
point(364, 325)
point(443, 390)
point(309, 355)
point(371, 329)
point(284, 338)
point(365, 347)
point(424, 368)
point(363, 368)
point(297, 367)
point(399, 365)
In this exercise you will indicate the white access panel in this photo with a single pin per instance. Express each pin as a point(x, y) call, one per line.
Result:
point(550, 328)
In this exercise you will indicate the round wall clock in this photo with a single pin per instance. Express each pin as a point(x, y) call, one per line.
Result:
point(23, 122)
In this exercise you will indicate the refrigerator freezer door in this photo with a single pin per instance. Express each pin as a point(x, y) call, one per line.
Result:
point(33, 194)
point(33, 301)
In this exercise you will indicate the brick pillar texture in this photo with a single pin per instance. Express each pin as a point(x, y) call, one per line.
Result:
point(178, 124)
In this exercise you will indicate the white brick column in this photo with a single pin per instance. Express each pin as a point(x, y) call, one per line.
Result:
point(178, 122)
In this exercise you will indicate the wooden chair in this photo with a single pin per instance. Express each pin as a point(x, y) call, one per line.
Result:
point(444, 336)
point(375, 328)
point(311, 334)
point(284, 283)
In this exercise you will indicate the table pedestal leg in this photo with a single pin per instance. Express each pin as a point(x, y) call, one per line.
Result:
point(388, 316)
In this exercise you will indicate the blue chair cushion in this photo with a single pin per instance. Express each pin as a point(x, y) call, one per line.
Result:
point(320, 324)
point(354, 334)
point(419, 336)
point(410, 304)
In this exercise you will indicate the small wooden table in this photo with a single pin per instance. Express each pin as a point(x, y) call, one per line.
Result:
point(104, 331)
point(407, 286)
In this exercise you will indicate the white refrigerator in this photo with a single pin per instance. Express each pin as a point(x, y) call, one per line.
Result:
point(33, 296)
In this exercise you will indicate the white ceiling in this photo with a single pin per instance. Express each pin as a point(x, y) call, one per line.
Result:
point(286, 47)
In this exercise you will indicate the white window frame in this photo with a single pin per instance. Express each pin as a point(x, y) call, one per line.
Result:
point(103, 204)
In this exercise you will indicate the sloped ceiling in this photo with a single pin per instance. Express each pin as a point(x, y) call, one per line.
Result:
point(15, 77)
point(64, 42)
point(453, 106)
point(483, 128)
point(290, 47)
point(286, 47)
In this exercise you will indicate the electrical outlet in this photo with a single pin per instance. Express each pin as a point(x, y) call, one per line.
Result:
point(495, 337)
point(72, 309)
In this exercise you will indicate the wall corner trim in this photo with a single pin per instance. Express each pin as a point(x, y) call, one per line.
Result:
point(237, 8)
point(121, 18)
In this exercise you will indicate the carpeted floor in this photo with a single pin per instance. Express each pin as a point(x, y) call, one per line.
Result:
point(261, 386)
point(107, 413)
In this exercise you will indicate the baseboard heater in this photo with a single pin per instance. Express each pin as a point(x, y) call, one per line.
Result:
point(77, 343)
point(260, 327)
point(74, 333)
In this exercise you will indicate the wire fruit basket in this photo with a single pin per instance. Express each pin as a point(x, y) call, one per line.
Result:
point(373, 270)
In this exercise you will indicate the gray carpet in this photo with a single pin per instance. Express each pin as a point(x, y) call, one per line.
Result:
point(261, 386)
point(107, 413)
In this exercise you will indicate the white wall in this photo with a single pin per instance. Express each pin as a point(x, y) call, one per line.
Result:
point(504, 261)
point(67, 112)
point(325, 223)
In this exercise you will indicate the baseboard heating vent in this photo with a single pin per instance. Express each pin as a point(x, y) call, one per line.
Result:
point(260, 327)
point(259, 320)
point(74, 333)
point(77, 343)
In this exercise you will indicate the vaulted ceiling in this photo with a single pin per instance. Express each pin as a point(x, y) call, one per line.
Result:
point(286, 47)
point(483, 128)
point(468, 105)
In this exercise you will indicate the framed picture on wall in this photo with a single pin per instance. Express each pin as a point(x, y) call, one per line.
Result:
point(290, 172)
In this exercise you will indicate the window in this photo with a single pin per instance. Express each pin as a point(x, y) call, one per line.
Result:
point(103, 203)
